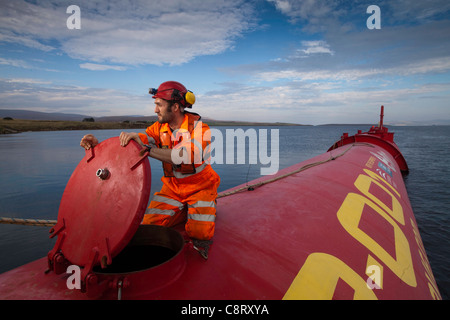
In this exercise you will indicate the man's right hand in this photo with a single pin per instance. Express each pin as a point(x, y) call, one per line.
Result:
point(88, 141)
point(125, 138)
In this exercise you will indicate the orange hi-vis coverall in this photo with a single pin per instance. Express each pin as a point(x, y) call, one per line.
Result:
point(191, 185)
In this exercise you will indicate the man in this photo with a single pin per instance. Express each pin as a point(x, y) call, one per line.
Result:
point(181, 141)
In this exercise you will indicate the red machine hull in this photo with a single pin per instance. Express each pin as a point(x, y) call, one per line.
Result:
point(338, 226)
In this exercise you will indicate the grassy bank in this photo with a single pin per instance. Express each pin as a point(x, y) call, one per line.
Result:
point(17, 125)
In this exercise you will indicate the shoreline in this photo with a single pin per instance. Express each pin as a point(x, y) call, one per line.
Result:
point(20, 125)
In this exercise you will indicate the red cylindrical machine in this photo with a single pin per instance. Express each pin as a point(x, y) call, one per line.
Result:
point(338, 226)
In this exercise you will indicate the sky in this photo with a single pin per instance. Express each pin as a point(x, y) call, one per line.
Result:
point(297, 61)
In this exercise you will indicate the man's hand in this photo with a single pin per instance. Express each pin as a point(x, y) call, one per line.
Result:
point(125, 138)
point(88, 141)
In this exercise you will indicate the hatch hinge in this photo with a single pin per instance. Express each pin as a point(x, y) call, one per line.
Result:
point(55, 259)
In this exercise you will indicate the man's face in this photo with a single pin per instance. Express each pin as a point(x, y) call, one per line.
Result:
point(163, 110)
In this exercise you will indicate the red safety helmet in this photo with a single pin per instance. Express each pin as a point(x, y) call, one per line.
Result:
point(173, 91)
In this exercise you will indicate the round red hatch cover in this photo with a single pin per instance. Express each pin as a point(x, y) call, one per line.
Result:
point(104, 202)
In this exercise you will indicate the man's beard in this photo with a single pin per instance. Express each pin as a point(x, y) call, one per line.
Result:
point(167, 117)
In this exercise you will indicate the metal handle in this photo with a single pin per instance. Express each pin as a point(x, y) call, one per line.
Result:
point(102, 174)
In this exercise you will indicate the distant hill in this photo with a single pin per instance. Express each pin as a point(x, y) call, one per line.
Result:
point(125, 118)
point(437, 122)
point(36, 115)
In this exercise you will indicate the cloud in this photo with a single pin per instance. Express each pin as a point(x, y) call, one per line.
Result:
point(403, 50)
point(101, 67)
point(46, 96)
point(415, 11)
point(26, 80)
point(322, 15)
point(315, 47)
point(282, 5)
point(316, 15)
point(15, 63)
point(316, 103)
point(330, 67)
point(341, 72)
point(25, 41)
point(128, 32)
point(432, 65)
point(19, 63)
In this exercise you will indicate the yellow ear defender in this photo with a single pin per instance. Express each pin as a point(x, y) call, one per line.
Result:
point(189, 97)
